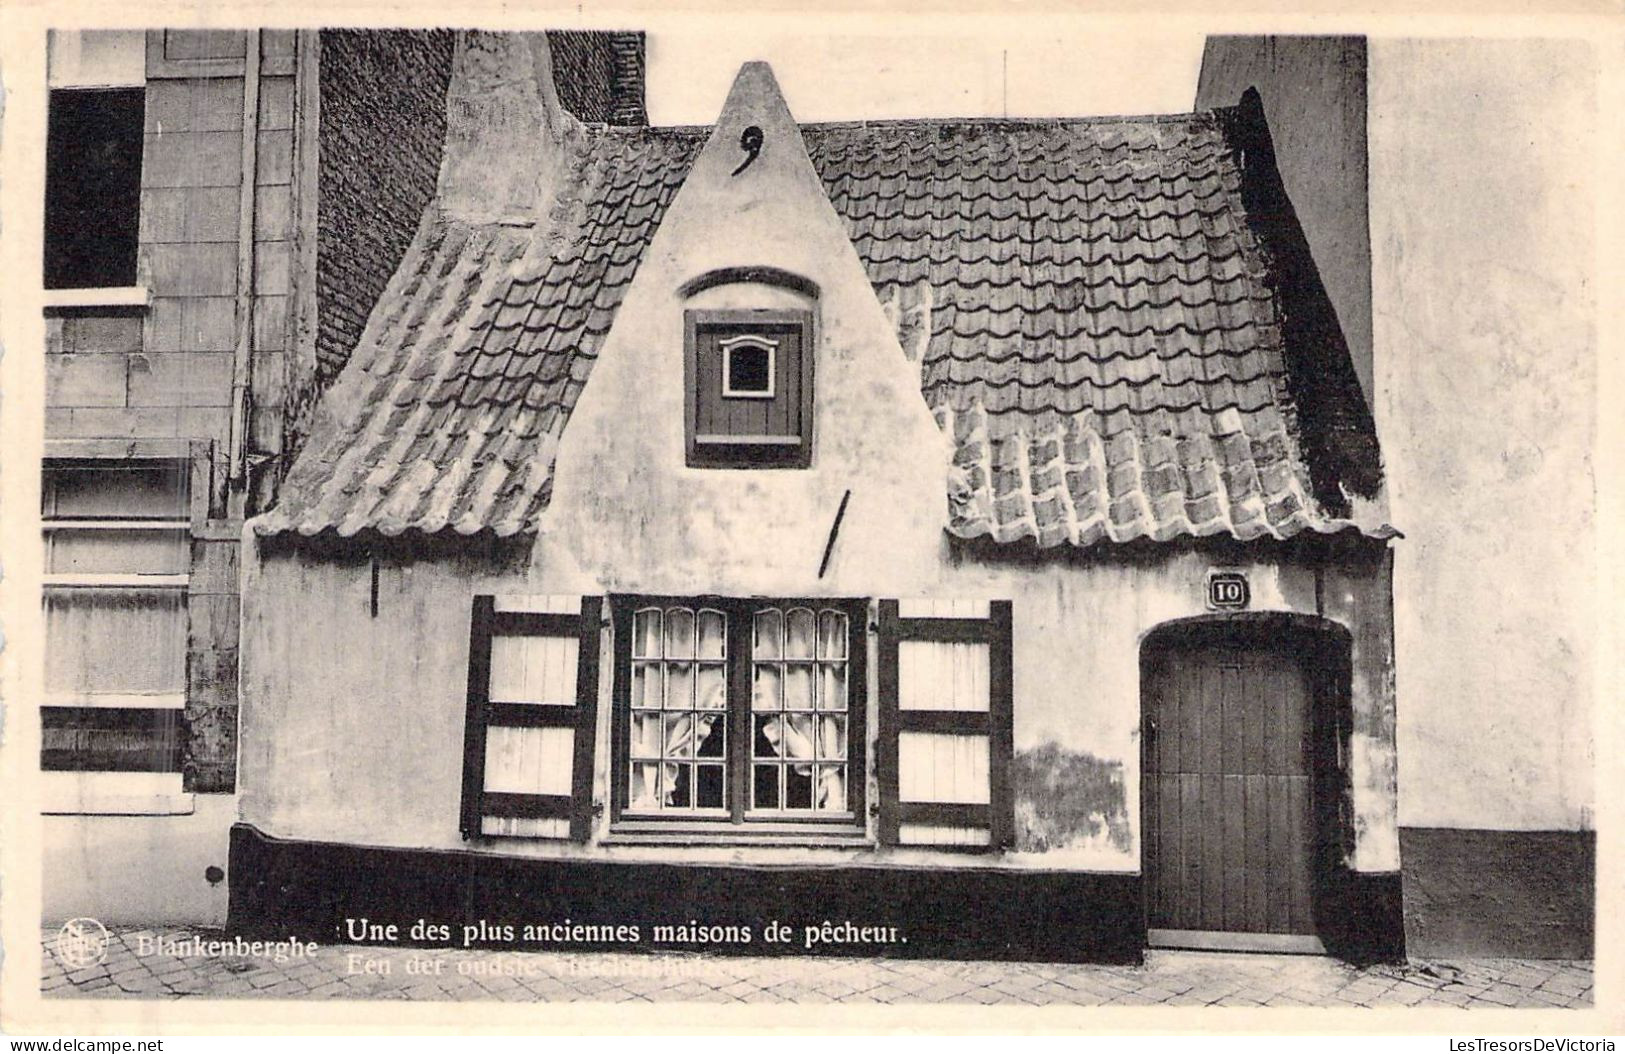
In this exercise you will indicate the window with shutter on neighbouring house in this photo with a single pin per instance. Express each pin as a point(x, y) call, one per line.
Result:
point(749, 388)
point(117, 557)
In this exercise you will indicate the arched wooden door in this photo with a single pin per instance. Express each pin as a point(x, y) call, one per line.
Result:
point(1228, 803)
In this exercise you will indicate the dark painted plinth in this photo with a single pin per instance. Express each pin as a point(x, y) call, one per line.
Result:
point(1359, 918)
point(1511, 894)
point(282, 888)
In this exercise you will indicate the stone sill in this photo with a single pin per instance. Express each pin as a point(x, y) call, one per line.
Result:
point(114, 794)
point(79, 300)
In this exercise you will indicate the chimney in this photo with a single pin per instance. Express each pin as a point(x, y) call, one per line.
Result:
point(507, 135)
point(627, 105)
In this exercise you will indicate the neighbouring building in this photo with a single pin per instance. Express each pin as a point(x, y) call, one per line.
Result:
point(223, 208)
point(971, 530)
point(1448, 193)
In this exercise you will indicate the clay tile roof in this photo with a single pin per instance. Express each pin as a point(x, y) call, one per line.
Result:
point(1097, 310)
point(450, 411)
point(1093, 311)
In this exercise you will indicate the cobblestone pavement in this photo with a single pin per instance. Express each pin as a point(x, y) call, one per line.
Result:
point(132, 970)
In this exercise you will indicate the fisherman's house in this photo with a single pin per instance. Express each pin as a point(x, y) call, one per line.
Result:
point(975, 531)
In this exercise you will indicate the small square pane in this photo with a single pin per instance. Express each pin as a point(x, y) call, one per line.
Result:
point(645, 791)
point(749, 370)
point(679, 686)
point(646, 685)
point(768, 740)
point(708, 787)
point(831, 635)
point(832, 738)
point(711, 733)
point(713, 627)
point(765, 787)
point(679, 786)
point(768, 635)
point(711, 688)
point(798, 737)
point(679, 633)
point(646, 633)
point(646, 737)
point(831, 787)
point(832, 686)
point(798, 636)
point(679, 736)
point(798, 686)
point(798, 787)
point(765, 693)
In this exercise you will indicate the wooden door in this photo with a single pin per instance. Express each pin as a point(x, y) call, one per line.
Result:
point(1228, 806)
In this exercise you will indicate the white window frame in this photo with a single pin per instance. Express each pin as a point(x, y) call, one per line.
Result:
point(66, 70)
point(749, 340)
point(739, 820)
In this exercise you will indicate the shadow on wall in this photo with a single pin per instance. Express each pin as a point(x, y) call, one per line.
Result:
point(1068, 800)
point(1335, 424)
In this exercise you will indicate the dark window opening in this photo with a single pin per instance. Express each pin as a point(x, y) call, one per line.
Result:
point(748, 368)
point(93, 187)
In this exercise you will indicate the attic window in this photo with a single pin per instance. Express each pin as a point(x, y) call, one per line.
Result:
point(749, 388)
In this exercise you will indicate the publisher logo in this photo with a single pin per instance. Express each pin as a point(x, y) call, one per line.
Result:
point(81, 943)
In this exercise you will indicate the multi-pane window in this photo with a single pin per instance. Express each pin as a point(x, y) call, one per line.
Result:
point(799, 710)
point(737, 718)
point(740, 711)
point(679, 744)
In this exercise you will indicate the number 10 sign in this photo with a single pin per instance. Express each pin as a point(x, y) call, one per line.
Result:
point(1227, 591)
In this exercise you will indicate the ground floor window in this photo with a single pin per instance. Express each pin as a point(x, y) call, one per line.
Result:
point(117, 557)
point(740, 711)
point(740, 718)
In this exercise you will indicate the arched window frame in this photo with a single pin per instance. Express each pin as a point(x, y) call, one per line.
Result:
point(731, 390)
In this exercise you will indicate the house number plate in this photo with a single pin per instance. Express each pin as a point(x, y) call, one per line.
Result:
point(1228, 591)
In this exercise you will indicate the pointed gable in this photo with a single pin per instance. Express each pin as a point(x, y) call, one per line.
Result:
point(751, 237)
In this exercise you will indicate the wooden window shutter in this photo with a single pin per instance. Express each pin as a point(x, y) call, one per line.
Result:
point(944, 684)
point(532, 717)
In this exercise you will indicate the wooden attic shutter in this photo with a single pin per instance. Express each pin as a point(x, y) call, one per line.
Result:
point(532, 717)
point(945, 684)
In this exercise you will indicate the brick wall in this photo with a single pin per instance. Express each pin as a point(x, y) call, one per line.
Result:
point(383, 124)
point(599, 76)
